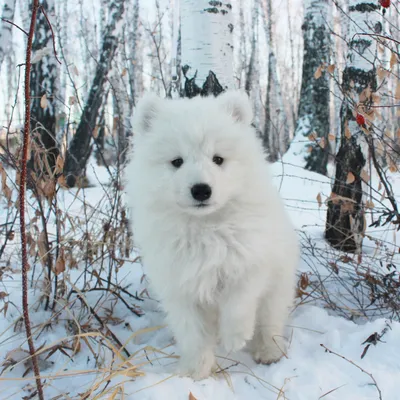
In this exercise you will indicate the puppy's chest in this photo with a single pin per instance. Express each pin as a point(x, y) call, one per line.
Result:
point(224, 252)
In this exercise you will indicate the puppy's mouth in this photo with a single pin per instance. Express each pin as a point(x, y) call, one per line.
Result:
point(202, 205)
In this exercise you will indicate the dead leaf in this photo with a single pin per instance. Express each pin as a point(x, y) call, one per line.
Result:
point(124, 72)
point(191, 397)
point(71, 100)
point(95, 132)
point(331, 137)
point(43, 101)
point(318, 72)
point(350, 178)
point(319, 200)
point(42, 248)
point(60, 263)
point(347, 132)
point(364, 175)
point(49, 189)
point(382, 72)
point(369, 204)
point(304, 281)
point(62, 182)
point(59, 165)
point(322, 143)
point(393, 60)
point(331, 68)
point(397, 93)
point(312, 136)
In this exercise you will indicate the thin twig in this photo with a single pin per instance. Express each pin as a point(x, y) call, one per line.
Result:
point(22, 188)
point(15, 25)
point(52, 33)
point(361, 369)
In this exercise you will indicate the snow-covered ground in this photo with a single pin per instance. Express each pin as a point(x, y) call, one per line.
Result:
point(309, 372)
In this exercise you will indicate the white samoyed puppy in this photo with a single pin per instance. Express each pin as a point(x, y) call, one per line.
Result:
point(214, 237)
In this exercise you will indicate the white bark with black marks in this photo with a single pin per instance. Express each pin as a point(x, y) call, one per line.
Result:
point(45, 84)
point(313, 115)
point(345, 223)
point(207, 47)
point(6, 29)
point(276, 134)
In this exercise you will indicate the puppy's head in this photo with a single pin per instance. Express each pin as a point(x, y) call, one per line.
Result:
point(195, 155)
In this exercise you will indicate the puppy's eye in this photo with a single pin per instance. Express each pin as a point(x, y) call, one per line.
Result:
point(177, 163)
point(218, 160)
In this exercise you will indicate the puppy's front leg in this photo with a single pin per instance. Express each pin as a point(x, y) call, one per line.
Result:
point(195, 329)
point(238, 315)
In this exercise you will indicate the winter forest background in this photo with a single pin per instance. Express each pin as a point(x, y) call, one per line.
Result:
point(324, 79)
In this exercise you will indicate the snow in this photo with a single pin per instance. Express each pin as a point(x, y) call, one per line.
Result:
point(308, 372)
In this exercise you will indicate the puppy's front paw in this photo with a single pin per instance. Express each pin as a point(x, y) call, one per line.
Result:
point(197, 367)
point(270, 351)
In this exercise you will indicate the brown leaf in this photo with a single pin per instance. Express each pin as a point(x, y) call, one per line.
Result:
point(331, 68)
point(95, 132)
point(322, 143)
point(393, 60)
point(3, 295)
point(382, 72)
point(124, 72)
point(49, 189)
point(350, 178)
point(191, 397)
point(370, 204)
point(331, 137)
point(364, 175)
point(312, 136)
point(62, 181)
point(347, 132)
point(304, 281)
point(319, 200)
point(43, 101)
point(71, 100)
point(59, 165)
point(318, 72)
point(42, 248)
point(60, 263)
point(397, 93)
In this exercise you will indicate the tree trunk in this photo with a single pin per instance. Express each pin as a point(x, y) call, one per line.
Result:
point(80, 147)
point(313, 115)
point(345, 222)
point(276, 135)
point(207, 47)
point(6, 29)
point(44, 90)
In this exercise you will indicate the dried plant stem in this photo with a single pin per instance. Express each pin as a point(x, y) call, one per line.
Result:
point(361, 369)
point(22, 188)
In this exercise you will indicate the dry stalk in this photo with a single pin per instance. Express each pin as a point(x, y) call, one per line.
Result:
point(22, 188)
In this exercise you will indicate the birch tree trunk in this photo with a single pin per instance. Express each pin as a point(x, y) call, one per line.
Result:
point(313, 115)
point(80, 146)
point(276, 135)
point(6, 29)
point(345, 222)
point(252, 79)
point(207, 47)
point(44, 91)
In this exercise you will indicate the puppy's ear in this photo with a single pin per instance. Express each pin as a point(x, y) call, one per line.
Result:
point(145, 113)
point(238, 105)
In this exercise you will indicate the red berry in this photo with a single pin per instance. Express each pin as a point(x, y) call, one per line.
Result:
point(385, 3)
point(360, 119)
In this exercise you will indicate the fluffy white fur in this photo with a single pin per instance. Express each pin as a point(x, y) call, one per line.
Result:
point(225, 272)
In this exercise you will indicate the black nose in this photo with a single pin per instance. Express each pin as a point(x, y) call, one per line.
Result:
point(201, 191)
